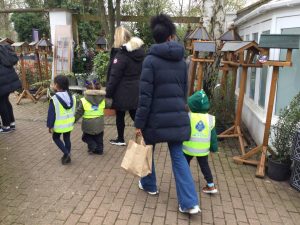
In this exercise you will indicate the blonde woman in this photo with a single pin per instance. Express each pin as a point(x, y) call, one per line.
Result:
point(124, 76)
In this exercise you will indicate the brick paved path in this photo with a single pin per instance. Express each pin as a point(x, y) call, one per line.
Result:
point(36, 189)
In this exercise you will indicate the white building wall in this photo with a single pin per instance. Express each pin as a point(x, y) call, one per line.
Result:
point(59, 17)
point(287, 16)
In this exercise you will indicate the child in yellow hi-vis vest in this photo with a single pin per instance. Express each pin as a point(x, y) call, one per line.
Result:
point(203, 137)
point(61, 116)
point(91, 109)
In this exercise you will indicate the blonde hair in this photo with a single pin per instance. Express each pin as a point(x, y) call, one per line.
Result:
point(122, 36)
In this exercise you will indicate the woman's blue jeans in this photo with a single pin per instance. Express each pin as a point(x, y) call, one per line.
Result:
point(185, 187)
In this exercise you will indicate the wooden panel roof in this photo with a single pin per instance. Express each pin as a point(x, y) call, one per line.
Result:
point(281, 41)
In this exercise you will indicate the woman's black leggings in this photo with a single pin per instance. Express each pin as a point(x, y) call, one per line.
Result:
point(120, 121)
point(6, 111)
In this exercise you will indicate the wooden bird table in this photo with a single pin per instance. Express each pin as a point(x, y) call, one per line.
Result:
point(239, 53)
point(21, 48)
point(267, 42)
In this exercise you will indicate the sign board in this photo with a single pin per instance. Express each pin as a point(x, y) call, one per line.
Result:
point(63, 50)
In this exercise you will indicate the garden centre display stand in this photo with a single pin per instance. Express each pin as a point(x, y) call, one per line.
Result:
point(239, 53)
point(288, 42)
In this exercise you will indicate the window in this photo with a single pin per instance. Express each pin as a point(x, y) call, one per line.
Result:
point(253, 72)
point(289, 79)
point(263, 82)
point(247, 37)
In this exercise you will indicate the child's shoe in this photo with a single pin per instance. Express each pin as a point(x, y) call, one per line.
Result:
point(210, 190)
point(97, 152)
point(65, 159)
point(195, 210)
point(5, 130)
point(13, 125)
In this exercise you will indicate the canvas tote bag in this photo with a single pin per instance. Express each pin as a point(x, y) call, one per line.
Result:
point(138, 158)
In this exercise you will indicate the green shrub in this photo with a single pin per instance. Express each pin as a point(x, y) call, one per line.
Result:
point(285, 129)
point(101, 61)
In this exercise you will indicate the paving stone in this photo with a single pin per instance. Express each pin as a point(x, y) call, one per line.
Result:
point(110, 218)
point(148, 215)
point(134, 219)
point(125, 212)
point(73, 219)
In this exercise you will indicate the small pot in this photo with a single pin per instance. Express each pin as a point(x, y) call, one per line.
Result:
point(277, 170)
point(109, 112)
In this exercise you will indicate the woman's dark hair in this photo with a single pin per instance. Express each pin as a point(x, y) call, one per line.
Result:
point(62, 81)
point(162, 27)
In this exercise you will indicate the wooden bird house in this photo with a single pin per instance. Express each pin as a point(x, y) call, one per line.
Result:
point(33, 47)
point(203, 52)
point(44, 46)
point(230, 35)
point(20, 47)
point(199, 34)
point(6, 41)
point(101, 43)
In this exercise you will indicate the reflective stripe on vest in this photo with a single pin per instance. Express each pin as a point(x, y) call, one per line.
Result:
point(64, 118)
point(199, 143)
point(91, 111)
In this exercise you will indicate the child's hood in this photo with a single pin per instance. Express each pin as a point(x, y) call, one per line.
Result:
point(94, 97)
point(199, 102)
point(65, 99)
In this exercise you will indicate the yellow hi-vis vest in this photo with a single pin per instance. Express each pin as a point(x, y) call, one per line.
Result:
point(91, 111)
point(201, 126)
point(64, 118)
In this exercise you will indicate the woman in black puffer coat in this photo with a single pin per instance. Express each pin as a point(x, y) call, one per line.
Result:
point(161, 114)
point(9, 82)
point(123, 84)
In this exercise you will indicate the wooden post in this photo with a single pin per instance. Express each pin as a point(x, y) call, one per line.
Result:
point(241, 96)
point(224, 81)
point(233, 81)
point(23, 72)
point(260, 172)
point(39, 71)
point(200, 76)
point(192, 74)
point(289, 55)
point(46, 65)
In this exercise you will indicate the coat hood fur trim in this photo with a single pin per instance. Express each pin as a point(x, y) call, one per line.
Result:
point(134, 44)
point(94, 92)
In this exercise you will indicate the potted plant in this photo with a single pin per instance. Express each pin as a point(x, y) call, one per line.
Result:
point(81, 78)
point(284, 130)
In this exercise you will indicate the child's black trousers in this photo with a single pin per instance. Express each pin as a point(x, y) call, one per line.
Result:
point(204, 166)
point(94, 142)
